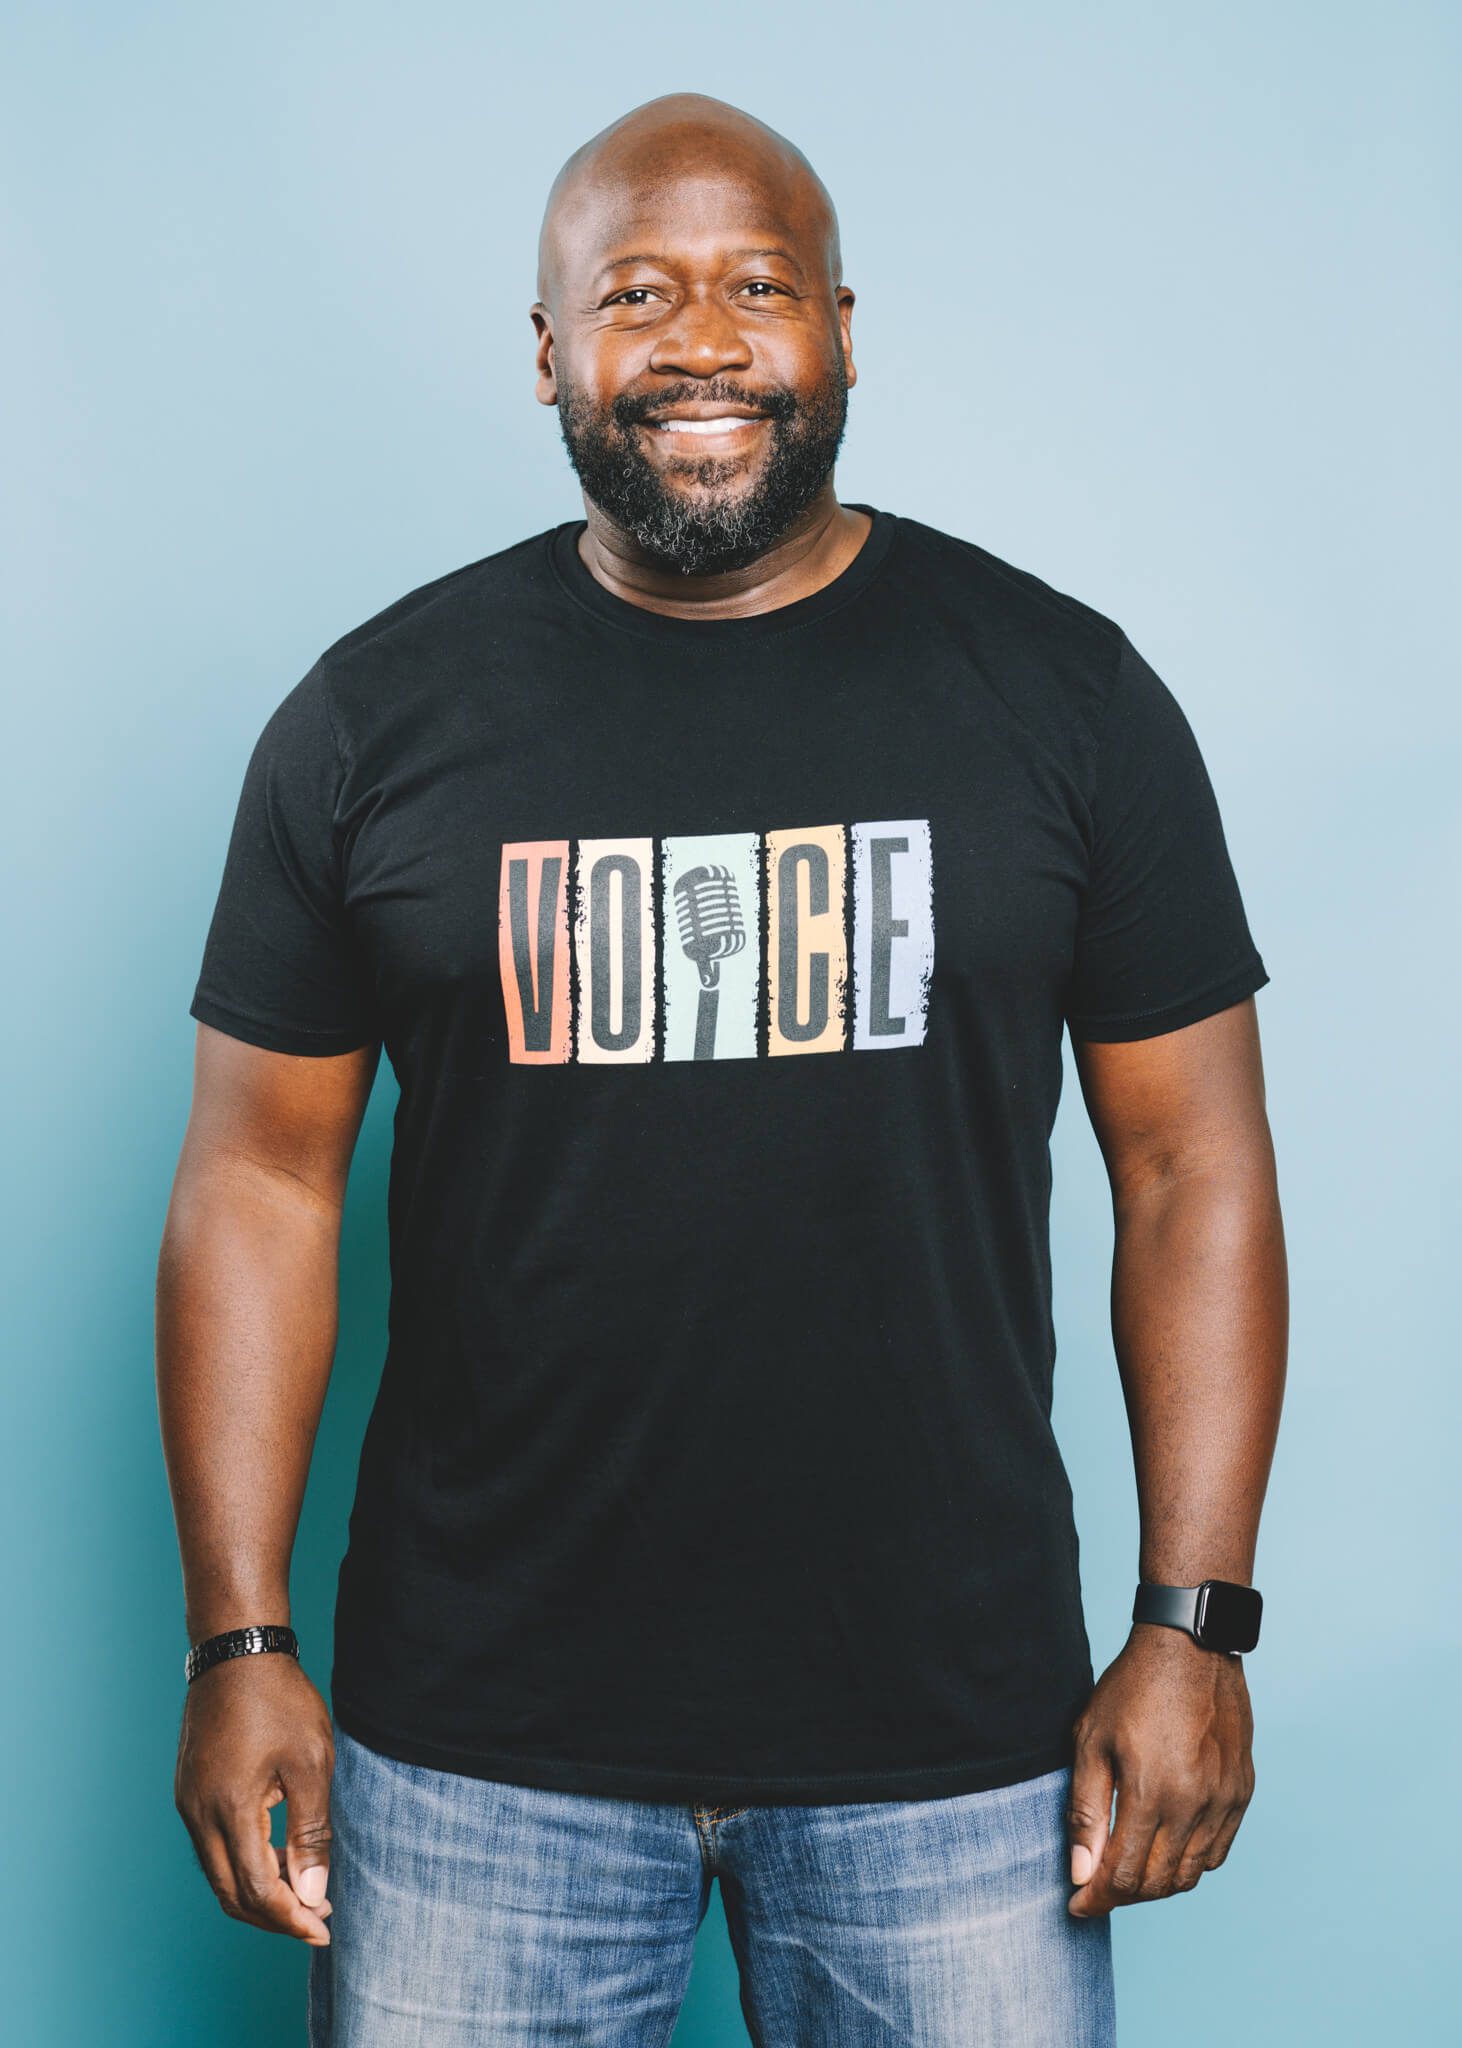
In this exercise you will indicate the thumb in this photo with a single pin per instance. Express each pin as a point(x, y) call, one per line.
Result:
point(1089, 1811)
point(307, 1836)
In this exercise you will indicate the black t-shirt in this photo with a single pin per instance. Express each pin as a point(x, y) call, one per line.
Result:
point(723, 967)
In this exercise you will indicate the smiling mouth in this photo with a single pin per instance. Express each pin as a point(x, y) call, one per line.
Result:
point(721, 424)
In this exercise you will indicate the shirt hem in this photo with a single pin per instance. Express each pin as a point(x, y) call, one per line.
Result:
point(298, 1038)
point(1222, 995)
point(678, 1787)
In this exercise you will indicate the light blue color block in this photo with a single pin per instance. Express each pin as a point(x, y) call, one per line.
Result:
point(712, 951)
point(893, 932)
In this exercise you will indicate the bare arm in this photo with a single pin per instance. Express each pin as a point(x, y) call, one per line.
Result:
point(247, 1312)
point(1200, 1324)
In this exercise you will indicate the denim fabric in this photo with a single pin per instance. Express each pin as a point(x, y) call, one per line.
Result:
point(472, 1912)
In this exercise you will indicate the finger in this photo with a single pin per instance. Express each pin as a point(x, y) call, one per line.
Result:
point(324, 1909)
point(1169, 1845)
point(1088, 1811)
point(212, 1854)
point(1223, 1838)
point(307, 1833)
point(1194, 1859)
point(1117, 1880)
point(260, 1895)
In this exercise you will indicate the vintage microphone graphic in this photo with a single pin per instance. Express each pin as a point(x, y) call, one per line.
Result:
point(708, 913)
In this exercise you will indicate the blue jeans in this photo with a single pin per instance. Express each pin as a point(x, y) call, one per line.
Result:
point(468, 1911)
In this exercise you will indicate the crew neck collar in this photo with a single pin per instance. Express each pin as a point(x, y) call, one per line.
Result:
point(586, 590)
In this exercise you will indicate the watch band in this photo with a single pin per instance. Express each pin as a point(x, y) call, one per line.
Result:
point(239, 1642)
point(1172, 1606)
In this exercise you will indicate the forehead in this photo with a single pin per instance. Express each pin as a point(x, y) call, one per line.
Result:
point(694, 217)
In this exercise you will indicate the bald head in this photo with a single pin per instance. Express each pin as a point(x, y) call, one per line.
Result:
point(660, 159)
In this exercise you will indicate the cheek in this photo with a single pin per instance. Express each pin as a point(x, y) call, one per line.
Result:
point(801, 357)
point(606, 364)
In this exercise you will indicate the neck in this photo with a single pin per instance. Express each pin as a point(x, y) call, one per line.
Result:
point(812, 553)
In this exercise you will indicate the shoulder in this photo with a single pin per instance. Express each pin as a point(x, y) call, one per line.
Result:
point(433, 610)
point(1054, 659)
point(1012, 598)
point(407, 660)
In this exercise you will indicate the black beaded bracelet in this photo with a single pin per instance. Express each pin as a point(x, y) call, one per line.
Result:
point(239, 1642)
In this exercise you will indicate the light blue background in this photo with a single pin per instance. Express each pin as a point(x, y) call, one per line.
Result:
point(1158, 301)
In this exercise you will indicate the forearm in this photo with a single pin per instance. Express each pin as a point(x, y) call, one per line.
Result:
point(247, 1313)
point(1200, 1324)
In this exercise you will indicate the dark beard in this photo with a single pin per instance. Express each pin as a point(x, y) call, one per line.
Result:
point(715, 529)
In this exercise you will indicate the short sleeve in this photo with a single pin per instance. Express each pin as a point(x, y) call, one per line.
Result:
point(1162, 938)
point(281, 967)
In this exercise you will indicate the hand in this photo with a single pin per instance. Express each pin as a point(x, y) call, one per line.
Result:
point(256, 1731)
point(1170, 1729)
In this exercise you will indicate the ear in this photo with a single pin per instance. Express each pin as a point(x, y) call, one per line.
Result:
point(844, 318)
point(546, 388)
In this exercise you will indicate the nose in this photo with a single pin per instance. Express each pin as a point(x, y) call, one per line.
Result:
point(702, 339)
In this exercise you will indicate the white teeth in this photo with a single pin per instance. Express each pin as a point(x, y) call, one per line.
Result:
point(727, 424)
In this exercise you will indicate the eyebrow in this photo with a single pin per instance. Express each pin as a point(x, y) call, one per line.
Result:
point(660, 262)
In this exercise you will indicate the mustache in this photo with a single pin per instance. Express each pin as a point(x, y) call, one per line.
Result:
point(778, 404)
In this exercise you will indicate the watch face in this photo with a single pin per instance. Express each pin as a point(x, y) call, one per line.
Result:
point(1228, 1615)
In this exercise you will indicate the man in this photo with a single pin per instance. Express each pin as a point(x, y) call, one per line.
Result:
point(719, 872)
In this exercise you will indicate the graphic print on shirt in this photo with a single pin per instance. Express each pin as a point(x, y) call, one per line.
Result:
point(729, 946)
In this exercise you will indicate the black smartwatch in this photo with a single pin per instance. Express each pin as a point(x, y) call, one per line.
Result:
point(1218, 1615)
